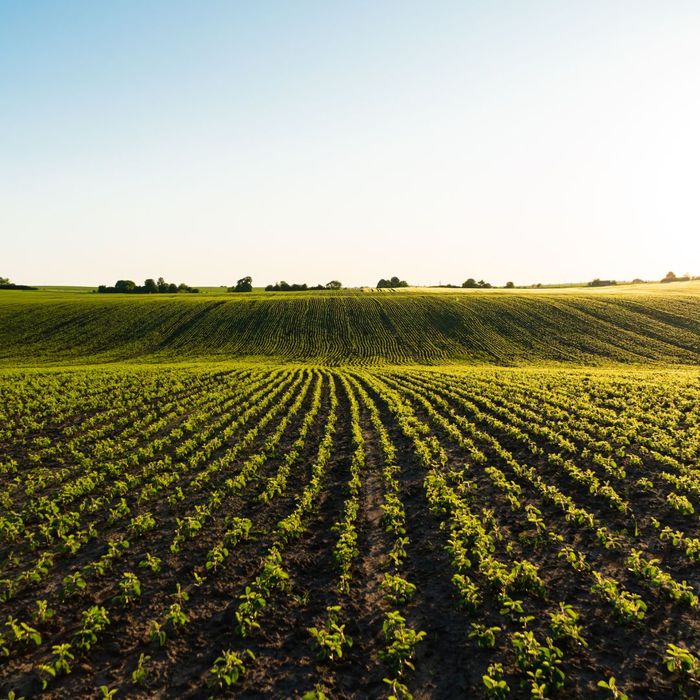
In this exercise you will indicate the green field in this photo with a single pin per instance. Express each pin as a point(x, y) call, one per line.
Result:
point(636, 324)
point(427, 493)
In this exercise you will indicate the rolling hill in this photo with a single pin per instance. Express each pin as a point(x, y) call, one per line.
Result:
point(357, 327)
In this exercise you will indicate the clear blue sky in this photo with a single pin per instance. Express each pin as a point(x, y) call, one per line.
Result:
point(306, 141)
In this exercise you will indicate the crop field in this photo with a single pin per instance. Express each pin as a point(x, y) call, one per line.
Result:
point(356, 328)
point(259, 529)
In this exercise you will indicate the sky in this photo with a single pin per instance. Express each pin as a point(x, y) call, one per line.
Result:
point(303, 140)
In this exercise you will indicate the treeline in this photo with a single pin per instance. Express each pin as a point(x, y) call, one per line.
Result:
point(672, 277)
point(391, 283)
point(471, 283)
point(6, 284)
point(286, 287)
point(150, 286)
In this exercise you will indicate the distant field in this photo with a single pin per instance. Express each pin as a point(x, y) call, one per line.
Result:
point(651, 323)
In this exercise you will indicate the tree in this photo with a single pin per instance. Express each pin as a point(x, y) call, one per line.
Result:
point(124, 286)
point(245, 284)
point(470, 284)
point(4, 280)
point(391, 283)
point(150, 286)
point(509, 285)
point(670, 276)
point(334, 284)
point(162, 285)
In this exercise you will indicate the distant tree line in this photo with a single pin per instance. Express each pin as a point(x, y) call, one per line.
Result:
point(286, 287)
point(471, 283)
point(672, 277)
point(392, 283)
point(150, 286)
point(6, 284)
point(597, 282)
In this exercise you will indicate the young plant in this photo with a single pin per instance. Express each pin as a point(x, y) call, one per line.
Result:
point(94, 620)
point(140, 673)
point(227, 669)
point(611, 686)
point(176, 616)
point(564, 625)
point(130, 588)
point(468, 592)
point(59, 665)
point(396, 589)
point(22, 632)
point(72, 584)
point(151, 562)
point(399, 690)
point(680, 660)
point(511, 608)
point(402, 642)
point(43, 611)
point(485, 636)
point(331, 638)
point(248, 610)
point(494, 683)
point(680, 503)
point(541, 662)
point(157, 633)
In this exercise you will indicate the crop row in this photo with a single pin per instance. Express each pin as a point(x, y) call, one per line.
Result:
point(177, 530)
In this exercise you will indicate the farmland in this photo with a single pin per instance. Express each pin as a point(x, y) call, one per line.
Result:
point(641, 325)
point(350, 495)
point(163, 527)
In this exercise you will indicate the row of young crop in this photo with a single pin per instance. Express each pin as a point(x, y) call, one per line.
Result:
point(601, 477)
point(128, 586)
point(614, 447)
point(231, 466)
point(190, 524)
point(608, 537)
point(60, 525)
point(655, 428)
point(456, 429)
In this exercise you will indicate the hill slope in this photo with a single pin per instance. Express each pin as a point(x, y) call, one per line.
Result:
point(360, 328)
